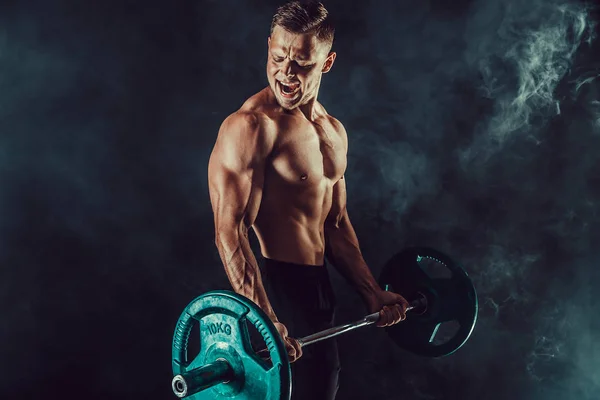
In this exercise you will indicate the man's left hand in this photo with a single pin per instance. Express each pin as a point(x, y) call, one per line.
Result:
point(391, 307)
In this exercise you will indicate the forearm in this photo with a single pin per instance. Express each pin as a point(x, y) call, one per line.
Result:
point(343, 251)
point(242, 268)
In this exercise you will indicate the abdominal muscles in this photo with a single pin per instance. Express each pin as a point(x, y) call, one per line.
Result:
point(289, 224)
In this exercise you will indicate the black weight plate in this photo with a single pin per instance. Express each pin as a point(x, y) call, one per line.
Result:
point(450, 299)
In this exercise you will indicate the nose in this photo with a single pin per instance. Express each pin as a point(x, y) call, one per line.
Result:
point(287, 69)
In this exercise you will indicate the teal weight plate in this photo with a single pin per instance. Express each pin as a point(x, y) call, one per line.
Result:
point(223, 318)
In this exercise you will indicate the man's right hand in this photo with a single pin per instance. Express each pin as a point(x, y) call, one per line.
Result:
point(292, 346)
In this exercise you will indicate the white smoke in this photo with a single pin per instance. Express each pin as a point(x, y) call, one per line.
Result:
point(525, 56)
point(589, 97)
point(566, 349)
point(503, 281)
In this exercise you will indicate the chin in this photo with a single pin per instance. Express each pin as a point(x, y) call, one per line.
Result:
point(288, 104)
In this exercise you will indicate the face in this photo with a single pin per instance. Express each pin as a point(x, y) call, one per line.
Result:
point(295, 65)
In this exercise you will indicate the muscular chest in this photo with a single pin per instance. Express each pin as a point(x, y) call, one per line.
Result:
point(308, 153)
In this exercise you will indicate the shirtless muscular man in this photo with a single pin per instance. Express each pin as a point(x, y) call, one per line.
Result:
point(278, 167)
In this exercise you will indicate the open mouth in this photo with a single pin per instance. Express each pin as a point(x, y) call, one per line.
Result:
point(289, 90)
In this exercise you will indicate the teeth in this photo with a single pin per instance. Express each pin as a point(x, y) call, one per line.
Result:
point(292, 88)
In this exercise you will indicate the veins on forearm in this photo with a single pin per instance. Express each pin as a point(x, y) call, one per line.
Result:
point(242, 269)
point(238, 265)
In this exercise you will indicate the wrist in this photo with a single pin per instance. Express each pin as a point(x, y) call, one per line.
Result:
point(271, 314)
point(369, 292)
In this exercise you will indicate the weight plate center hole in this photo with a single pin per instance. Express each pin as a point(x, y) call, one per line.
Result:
point(422, 308)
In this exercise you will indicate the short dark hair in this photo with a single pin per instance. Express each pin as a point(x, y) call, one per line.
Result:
point(305, 17)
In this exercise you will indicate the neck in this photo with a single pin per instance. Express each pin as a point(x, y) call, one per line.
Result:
point(309, 109)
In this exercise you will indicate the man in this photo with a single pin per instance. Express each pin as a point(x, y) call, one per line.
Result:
point(278, 167)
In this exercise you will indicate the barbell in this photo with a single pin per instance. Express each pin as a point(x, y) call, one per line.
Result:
point(439, 292)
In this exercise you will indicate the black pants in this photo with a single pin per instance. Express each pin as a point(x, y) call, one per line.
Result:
point(304, 302)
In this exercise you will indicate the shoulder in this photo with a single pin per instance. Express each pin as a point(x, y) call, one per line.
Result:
point(338, 127)
point(252, 116)
point(262, 103)
point(245, 133)
point(241, 121)
point(335, 123)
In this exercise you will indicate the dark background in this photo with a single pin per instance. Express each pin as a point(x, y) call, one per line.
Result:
point(474, 128)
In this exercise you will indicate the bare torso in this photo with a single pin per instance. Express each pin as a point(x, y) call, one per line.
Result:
point(308, 158)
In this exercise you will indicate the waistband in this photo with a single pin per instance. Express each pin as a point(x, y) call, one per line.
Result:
point(283, 267)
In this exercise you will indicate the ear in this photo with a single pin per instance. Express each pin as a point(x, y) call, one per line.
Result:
point(269, 41)
point(329, 62)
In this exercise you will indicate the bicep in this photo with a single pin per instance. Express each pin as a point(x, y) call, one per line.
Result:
point(338, 210)
point(232, 192)
point(338, 204)
point(236, 170)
